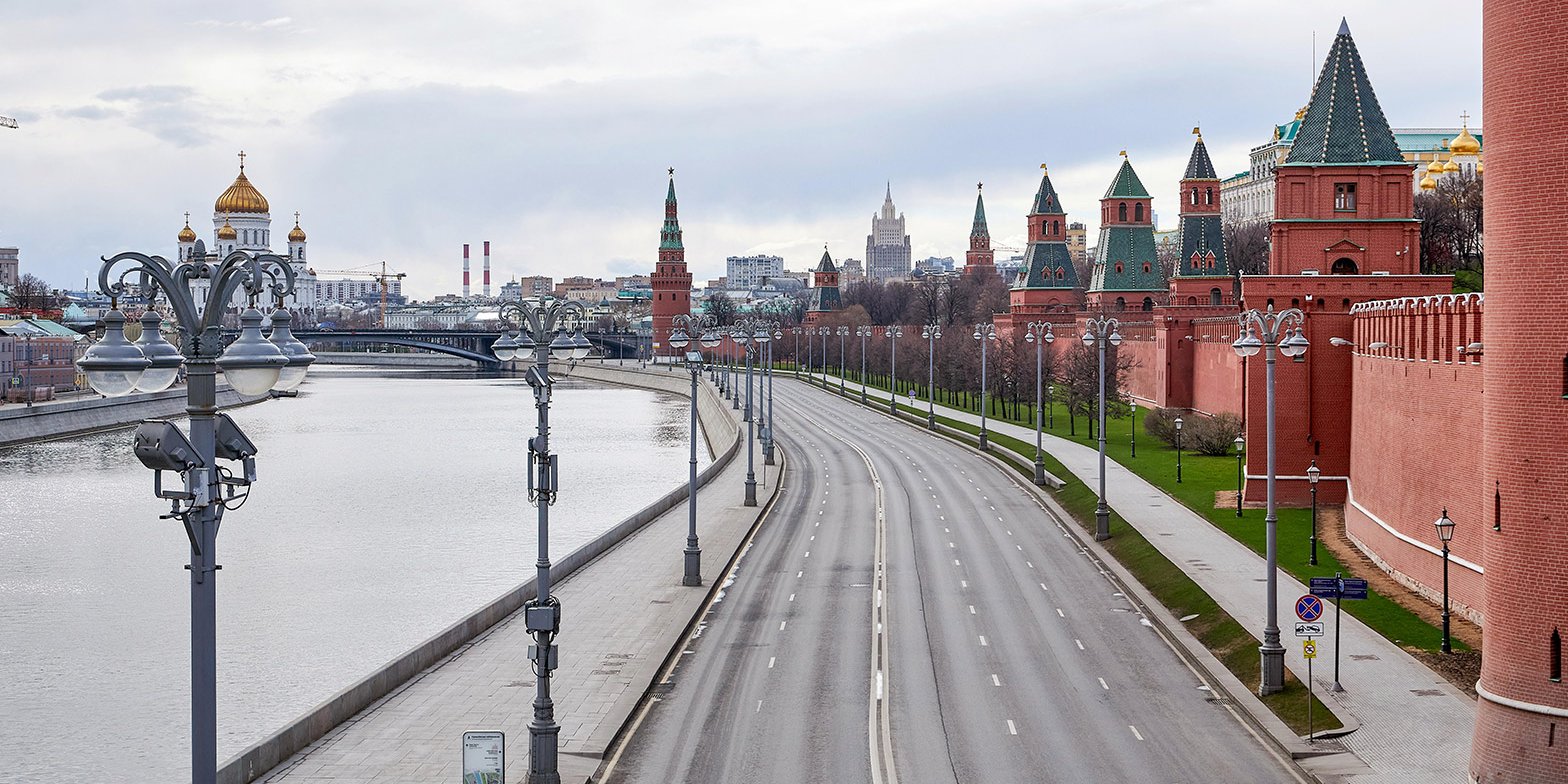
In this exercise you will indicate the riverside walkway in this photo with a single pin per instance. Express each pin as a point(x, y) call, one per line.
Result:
point(1413, 724)
point(622, 615)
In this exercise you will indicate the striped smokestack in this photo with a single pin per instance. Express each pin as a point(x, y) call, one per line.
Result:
point(487, 269)
point(465, 270)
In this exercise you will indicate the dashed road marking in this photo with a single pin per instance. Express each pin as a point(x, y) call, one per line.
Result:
point(1103, 685)
point(1012, 730)
point(1080, 643)
point(995, 680)
point(1135, 732)
point(983, 643)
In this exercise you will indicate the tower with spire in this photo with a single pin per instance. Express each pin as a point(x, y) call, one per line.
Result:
point(888, 253)
point(824, 296)
point(671, 282)
point(1048, 281)
point(1127, 271)
point(1202, 274)
point(979, 260)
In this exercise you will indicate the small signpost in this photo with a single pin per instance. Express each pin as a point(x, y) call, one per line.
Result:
point(1309, 609)
point(1337, 588)
point(484, 758)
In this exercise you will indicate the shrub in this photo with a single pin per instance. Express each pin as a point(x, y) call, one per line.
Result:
point(1161, 423)
point(1214, 436)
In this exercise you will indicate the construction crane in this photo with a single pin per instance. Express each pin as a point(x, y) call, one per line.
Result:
point(382, 277)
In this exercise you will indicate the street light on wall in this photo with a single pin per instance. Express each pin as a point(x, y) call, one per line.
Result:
point(1445, 533)
point(1102, 331)
point(1271, 333)
point(542, 331)
point(1039, 333)
point(252, 365)
point(985, 333)
point(932, 333)
point(893, 332)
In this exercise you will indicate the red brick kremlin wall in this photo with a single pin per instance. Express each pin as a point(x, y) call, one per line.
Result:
point(1522, 715)
point(1412, 458)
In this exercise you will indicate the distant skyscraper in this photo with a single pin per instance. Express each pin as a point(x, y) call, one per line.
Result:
point(887, 246)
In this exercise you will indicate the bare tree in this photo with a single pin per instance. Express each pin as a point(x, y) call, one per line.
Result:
point(721, 308)
point(31, 293)
point(1452, 238)
point(1247, 248)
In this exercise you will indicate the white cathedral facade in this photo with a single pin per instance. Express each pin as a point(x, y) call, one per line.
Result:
point(242, 220)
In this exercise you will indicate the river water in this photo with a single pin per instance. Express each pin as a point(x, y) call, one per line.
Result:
point(388, 505)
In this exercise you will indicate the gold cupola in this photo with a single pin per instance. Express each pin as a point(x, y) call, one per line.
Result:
point(296, 234)
point(1428, 184)
point(227, 232)
point(1464, 143)
point(241, 196)
point(186, 234)
point(1451, 166)
point(1435, 168)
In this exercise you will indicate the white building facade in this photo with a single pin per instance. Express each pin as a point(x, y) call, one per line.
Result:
point(887, 246)
point(751, 272)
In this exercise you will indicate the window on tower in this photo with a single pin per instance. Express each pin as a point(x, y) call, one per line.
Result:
point(1345, 196)
point(1208, 196)
point(1121, 212)
point(1138, 211)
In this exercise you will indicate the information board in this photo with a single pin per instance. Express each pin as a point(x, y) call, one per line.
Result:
point(484, 758)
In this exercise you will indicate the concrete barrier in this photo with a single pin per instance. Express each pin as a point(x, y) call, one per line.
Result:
point(721, 426)
point(62, 418)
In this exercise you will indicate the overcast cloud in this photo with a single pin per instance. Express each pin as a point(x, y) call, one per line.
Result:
point(402, 130)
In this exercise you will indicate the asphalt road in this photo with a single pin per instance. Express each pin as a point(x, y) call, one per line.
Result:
point(990, 647)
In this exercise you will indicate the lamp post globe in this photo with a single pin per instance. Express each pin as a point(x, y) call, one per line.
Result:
point(298, 354)
point(114, 365)
point(1312, 481)
point(165, 358)
point(252, 364)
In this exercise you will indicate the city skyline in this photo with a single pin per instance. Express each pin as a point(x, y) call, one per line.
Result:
point(557, 154)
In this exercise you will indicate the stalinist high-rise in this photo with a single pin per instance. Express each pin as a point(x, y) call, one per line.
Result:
point(887, 246)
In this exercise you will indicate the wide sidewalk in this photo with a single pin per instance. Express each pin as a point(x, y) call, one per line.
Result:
point(1414, 725)
point(622, 614)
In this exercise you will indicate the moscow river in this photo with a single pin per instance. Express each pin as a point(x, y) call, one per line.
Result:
point(388, 505)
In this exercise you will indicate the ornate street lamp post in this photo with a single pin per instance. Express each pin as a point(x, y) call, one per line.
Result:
point(1178, 449)
point(843, 359)
point(1101, 331)
point(1312, 481)
point(703, 324)
point(743, 338)
point(1039, 333)
point(824, 332)
point(1445, 532)
point(794, 359)
point(1132, 406)
point(932, 333)
point(542, 331)
point(863, 331)
point(985, 333)
point(893, 332)
point(1241, 447)
point(1271, 333)
point(252, 365)
point(767, 428)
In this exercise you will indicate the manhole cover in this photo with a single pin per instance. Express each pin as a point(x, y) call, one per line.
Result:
point(1427, 692)
point(1363, 657)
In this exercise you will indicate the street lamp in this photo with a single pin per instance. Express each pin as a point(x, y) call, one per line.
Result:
point(824, 332)
point(863, 331)
point(1312, 481)
point(1445, 532)
point(703, 324)
point(985, 333)
point(794, 358)
point(1241, 446)
point(932, 333)
point(1040, 334)
point(252, 365)
point(1101, 331)
point(893, 332)
point(1271, 333)
point(743, 339)
point(767, 421)
point(1178, 450)
point(843, 368)
point(1132, 405)
point(543, 331)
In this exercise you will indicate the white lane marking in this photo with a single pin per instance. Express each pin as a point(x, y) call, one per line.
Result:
point(943, 518)
point(792, 597)
point(983, 643)
point(781, 625)
point(1031, 564)
point(995, 680)
point(771, 660)
point(1080, 643)
point(1010, 728)
point(808, 553)
point(946, 531)
point(813, 538)
point(798, 574)
point(1059, 612)
point(1043, 588)
point(759, 706)
point(971, 609)
point(1102, 684)
point(879, 597)
point(963, 583)
point(1020, 547)
point(955, 561)
point(1135, 732)
point(1009, 533)
point(950, 545)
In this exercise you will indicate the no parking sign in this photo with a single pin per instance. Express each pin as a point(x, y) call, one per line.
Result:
point(1309, 608)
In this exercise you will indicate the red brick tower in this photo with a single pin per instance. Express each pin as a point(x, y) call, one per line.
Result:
point(1201, 287)
point(979, 260)
point(1523, 704)
point(671, 282)
point(1048, 282)
point(1127, 272)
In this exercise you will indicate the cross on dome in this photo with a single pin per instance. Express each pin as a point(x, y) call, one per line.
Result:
point(242, 160)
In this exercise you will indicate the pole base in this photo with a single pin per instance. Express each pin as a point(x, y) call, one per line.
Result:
point(1039, 473)
point(693, 574)
point(735, 403)
point(1273, 675)
point(1102, 524)
point(767, 457)
point(985, 443)
point(751, 492)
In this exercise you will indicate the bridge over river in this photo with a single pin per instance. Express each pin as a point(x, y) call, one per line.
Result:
point(473, 346)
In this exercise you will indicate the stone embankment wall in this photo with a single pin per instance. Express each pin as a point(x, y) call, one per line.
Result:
point(20, 424)
point(722, 427)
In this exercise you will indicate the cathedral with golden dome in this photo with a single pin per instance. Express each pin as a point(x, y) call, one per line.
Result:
point(1441, 153)
point(242, 220)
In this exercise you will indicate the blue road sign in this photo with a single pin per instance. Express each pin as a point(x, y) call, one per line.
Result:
point(1331, 588)
point(1325, 587)
point(1353, 589)
point(1309, 608)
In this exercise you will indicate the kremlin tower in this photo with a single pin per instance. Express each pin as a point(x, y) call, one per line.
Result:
point(671, 281)
point(979, 261)
point(1048, 282)
point(824, 296)
point(1127, 271)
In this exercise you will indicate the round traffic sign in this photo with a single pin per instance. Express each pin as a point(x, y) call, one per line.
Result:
point(1309, 608)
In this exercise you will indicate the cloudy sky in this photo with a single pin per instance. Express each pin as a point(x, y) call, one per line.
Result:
point(402, 130)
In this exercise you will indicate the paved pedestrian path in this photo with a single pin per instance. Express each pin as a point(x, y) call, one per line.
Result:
point(1414, 725)
point(621, 616)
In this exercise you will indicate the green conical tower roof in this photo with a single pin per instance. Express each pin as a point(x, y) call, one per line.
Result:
point(826, 264)
point(1126, 185)
point(979, 228)
point(1344, 123)
point(1199, 167)
point(1046, 202)
point(670, 235)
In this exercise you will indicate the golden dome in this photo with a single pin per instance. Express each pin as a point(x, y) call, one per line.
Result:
point(1436, 166)
point(1478, 168)
point(296, 234)
point(1450, 166)
point(1428, 184)
point(186, 235)
point(241, 196)
point(1464, 143)
point(227, 232)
